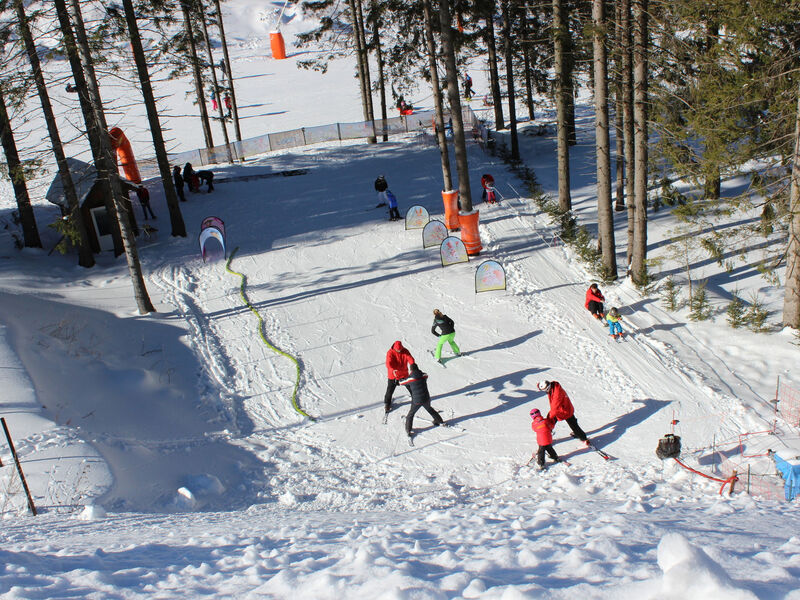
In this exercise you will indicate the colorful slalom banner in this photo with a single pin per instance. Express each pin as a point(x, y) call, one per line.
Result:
point(433, 234)
point(490, 276)
point(453, 251)
point(417, 217)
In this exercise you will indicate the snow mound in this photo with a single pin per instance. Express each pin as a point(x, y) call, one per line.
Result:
point(92, 512)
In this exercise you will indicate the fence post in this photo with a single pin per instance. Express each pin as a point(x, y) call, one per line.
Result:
point(733, 482)
point(303, 129)
point(339, 131)
point(19, 467)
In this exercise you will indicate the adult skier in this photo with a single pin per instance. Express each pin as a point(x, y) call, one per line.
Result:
point(561, 408)
point(398, 360)
point(446, 333)
point(177, 179)
point(420, 397)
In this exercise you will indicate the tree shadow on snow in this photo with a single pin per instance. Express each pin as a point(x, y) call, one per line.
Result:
point(612, 431)
point(509, 392)
point(505, 344)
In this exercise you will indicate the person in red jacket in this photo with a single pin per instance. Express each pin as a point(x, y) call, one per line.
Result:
point(594, 301)
point(398, 360)
point(487, 182)
point(544, 437)
point(561, 408)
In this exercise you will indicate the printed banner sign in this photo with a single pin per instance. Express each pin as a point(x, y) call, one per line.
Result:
point(490, 275)
point(433, 234)
point(453, 251)
point(212, 239)
point(417, 217)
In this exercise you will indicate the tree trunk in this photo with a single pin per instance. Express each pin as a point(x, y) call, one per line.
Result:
point(509, 56)
point(447, 178)
point(605, 216)
point(198, 76)
point(173, 205)
point(791, 298)
point(360, 61)
point(494, 76)
point(85, 256)
point(214, 82)
point(618, 120)
point(131, 252)
point(376, 40)
point(640, 32)
point(30, 232)
point(227, 59)
point(460, 143)
point(559, 35)
point(627, 121)
point(365, 62)
point(527, 65)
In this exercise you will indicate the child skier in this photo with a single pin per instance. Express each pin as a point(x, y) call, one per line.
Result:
point(613, 319)
point(394, 213)
point(487, 182)
point(594, 301)
point(420, 397)
point(381, 186)
point(544, 437)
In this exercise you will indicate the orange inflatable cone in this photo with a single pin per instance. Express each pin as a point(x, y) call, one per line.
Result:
point(450, 199)
point(469, 232)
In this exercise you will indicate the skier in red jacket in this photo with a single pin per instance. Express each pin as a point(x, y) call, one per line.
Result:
point(561, 408)
point(544, 437)
point(594, 301)
point(398, 360)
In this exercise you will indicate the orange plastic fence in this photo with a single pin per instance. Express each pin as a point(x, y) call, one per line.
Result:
point(469, 232)
point(125, 156)
point(787, 403)
point(276, 43)
point(450, 199)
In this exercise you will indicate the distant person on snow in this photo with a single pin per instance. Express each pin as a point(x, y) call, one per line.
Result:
point(177, 179)
point(190, 177)
point(594, 301)
point(394, 213)
point(381, 186)
point(487, 182)
point(206, 177)
point(613, 319)
point(398, 360)
point(420, 397)
point(446, 333)
point(543, 427)
point(144, 199)
point(468, 91)
point(561, 408)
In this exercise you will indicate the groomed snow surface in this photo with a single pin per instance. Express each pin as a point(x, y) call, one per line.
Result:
point(166, 459)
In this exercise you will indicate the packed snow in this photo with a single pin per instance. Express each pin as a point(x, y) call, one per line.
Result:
point(165, 456)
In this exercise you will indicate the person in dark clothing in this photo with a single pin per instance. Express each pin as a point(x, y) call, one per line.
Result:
point(190, 177)
point(561, 408)
point(381, 186)
point(144, 199)
point(420, 397)
point(397, 361)
point(207, 177)
point(446, 333)
point(177, 179)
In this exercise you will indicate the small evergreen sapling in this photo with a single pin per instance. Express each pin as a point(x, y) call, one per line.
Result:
point(699, 306)
point(671, 295)
point(736, 311)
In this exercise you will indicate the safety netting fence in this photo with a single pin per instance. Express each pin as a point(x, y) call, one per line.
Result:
point(421, 122)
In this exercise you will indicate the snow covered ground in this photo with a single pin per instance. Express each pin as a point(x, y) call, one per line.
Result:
point(167, 460)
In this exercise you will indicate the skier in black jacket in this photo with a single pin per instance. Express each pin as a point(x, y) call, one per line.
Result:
point(381, 186)
point(420, 397)
point(446, 333)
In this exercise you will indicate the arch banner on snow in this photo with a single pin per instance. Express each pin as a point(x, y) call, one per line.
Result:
point(453, 251)
point(212, 239)
point(489, 276)
point(417, 217)
point(433, 234)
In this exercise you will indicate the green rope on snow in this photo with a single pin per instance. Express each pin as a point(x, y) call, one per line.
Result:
point(263, 335)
